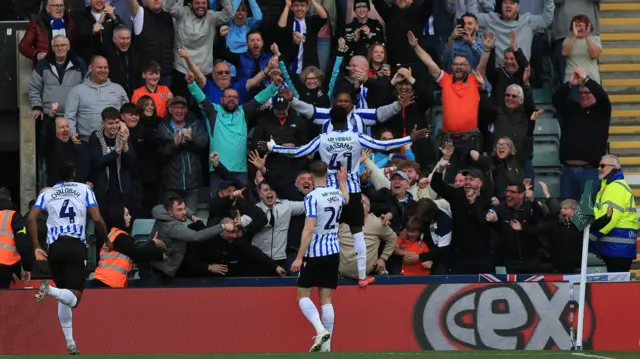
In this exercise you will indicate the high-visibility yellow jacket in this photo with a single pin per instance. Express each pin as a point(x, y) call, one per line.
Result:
point(618, 238)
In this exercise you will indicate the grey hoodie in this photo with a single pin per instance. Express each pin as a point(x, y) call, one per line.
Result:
point(86, 102)
point(175, 235)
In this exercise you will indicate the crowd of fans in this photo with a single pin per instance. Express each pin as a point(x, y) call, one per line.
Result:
point(153, 101)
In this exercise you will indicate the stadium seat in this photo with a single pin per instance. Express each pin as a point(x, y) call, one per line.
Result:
point(546, 126)
point(141, 229)
point(545, 154)
point(551, 178)
point(542, 95)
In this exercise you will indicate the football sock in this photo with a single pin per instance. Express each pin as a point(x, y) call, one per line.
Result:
point(311, 313)
point(328, 317)
point(64, 296)
point(361, 254)
point(65, 315)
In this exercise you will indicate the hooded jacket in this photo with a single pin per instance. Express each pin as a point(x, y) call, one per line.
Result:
point(175, 235)
point(85, 104)
point(48, 86)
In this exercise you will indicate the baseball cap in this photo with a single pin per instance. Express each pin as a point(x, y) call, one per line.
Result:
point(226, 184)
point(361, 3)
point(401, 174)
point(178, 100)
point(279, 102)
point(473, 172)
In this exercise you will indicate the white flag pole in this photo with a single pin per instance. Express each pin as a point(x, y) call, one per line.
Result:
point(583, 287)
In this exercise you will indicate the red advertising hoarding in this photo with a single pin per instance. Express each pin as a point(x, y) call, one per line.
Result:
point(378, 318)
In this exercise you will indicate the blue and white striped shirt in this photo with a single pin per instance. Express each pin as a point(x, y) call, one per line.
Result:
point(342, 148)
point(66, 204)
point(360, 120)
point(325, 205)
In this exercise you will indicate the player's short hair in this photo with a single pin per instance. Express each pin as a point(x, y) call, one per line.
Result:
point(338, 117)
point(318, 169)
point(67, 171)
point(168, 205)
point(5, 193)
point(345, 90)
point(110, 113)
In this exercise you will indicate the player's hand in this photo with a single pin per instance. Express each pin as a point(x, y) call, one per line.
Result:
point(411, 258)
point(295, 266)
point(158, 243)
point(342, 175)
point(281, 271)
point(218, 269)
point(41, 255)
point(405, 101)
point(26, 277)
point(419, 134)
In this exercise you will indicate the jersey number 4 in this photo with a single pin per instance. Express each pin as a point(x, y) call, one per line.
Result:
point(335, 165)
point(335, 216)
point(67, 212)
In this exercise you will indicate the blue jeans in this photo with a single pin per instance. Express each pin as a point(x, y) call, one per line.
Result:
point(324, 53)
point(573, 180)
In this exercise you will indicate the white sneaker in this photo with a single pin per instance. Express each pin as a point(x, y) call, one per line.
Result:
point(73, 350)
point(326, 347)
point(320, 339)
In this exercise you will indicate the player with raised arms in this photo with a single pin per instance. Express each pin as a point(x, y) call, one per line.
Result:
point(343, 146)
point(67, 204)
point(318, 258)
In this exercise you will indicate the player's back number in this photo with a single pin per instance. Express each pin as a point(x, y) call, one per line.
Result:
point(67, 211)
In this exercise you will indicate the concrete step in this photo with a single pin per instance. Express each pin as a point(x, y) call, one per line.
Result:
point(620, 44)
point(620, 71)
point(620, 6)
point(625, 114)
point(619, 55)
point(625, 148)
point(619, 24)
point(631, 169)
point(621, 85)
point(624, 130)
point(627, 98)
point(630, 161)
point(620, 36)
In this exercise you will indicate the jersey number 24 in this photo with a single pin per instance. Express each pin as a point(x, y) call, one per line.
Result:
point(333, 220)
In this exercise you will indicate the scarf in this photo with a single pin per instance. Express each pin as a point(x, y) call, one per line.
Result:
point(106, 150)
point(299, 26)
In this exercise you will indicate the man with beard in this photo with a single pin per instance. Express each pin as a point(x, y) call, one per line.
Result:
point(470, 207)
point(464, 40)
point(228, 124)
point(512, 71)
point(196, 31)
point(518, 248)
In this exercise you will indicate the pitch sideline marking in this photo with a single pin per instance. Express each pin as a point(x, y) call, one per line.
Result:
point(591, 356)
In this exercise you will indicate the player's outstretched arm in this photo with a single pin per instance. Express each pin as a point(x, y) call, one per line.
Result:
point(378, 145)
point(301, 151)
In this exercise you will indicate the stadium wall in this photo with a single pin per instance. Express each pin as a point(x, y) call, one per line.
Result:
point(267, 319)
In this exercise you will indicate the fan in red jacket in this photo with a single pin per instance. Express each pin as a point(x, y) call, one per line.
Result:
point(52, 21)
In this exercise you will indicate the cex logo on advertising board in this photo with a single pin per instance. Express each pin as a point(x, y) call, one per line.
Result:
point(509, 316)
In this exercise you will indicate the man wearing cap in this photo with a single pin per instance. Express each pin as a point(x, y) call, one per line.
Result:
point(471, 234)
point(363, 31)
point(395, 200)
point(285, 127)
point(182, 139)
point(513, 220)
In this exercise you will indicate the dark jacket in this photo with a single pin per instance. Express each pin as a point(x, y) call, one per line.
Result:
point(181, 168)
point(100, 162)
point(383, 201)
point(221, 207)
point(518, 247)
point(515, 124)
point(155, 42)
point(145, 142)
point(398, 23)
point(85, 38)
point(147, 252)
point(362, 46)
point(38, 35)
point(500, 79)
point(292, 131)
point(23, 242)
point(289, 50)
point(58, 152)
point(498, 174)
point(124, 68)
point(585, 131)
point(471, 234)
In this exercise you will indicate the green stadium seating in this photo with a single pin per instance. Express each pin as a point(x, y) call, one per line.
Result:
point(141, 229)
point(552, 178)
point(547, 127)
point(545, 154)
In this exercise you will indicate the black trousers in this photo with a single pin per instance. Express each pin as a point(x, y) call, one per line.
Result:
point(6, 276)
point(617, 264)
point(474, 264)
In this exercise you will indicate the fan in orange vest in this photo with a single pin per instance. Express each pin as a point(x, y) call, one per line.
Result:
point(160, 94)
point(15, 246)
point(115, 265)
point(410, 241)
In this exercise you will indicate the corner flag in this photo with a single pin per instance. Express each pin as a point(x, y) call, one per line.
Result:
point(584, 215)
